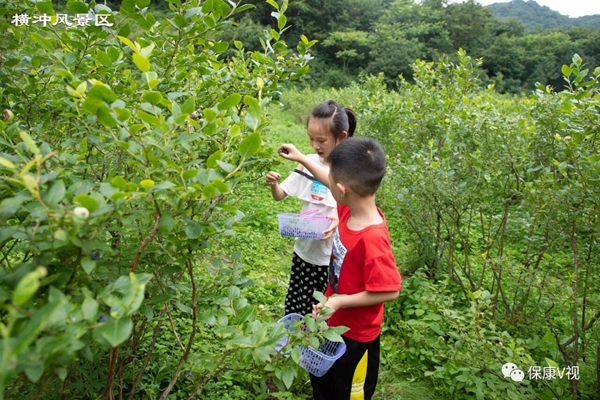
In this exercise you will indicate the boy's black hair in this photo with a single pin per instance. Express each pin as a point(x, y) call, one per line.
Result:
point(359, 163)
point(340, 118)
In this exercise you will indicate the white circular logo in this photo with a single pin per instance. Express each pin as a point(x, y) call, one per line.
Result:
point(508, 368)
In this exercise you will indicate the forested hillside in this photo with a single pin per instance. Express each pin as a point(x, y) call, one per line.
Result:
point(356, 38)
point(383, 36)
point(535, 16)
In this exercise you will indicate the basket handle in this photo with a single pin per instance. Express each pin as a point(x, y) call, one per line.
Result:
point(309, 212)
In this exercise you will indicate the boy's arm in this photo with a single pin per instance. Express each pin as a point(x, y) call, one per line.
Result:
point(360, 299)
point(290, 152)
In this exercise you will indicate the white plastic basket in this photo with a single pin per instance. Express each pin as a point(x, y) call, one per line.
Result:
point(316, 362)
point(304, 225)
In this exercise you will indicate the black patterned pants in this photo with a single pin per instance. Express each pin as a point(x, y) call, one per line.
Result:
point(305, 278)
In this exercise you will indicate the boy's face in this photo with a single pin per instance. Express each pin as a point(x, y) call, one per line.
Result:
point(336, 191)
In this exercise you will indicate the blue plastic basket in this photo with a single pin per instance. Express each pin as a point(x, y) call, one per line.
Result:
point(317, 362)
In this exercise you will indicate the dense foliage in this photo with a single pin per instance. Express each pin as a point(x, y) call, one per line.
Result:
point(119, 158)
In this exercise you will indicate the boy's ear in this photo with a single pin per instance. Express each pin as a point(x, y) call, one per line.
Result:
point(343, 188)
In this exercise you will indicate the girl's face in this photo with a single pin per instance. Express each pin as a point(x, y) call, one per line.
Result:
point(321, 140)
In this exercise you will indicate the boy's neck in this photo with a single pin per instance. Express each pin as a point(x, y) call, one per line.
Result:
point(363, 212)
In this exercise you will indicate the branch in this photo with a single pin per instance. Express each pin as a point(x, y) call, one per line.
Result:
point(585, 328)
point(146, 241)
point(188, 349)
point(148, 353)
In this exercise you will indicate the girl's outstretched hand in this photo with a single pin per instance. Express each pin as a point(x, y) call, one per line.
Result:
point(334, 224)
point(290, 152)
point(272, 178)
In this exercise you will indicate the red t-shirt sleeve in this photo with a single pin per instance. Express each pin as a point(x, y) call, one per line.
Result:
point(380, 271)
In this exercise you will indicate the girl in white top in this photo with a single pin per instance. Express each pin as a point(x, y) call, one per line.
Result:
point(328, 124)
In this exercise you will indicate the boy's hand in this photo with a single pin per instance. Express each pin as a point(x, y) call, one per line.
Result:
point(272, 178)
point(334, 224)
point(327, 309)
point(290, 152)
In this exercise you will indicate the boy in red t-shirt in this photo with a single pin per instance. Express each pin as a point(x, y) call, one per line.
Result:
point(362, 272)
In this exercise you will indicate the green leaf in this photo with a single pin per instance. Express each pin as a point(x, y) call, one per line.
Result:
point(105, 116)
point(7, 164)
point(141, 62)
point(116, 331)
point(193, 230)
point(189, 106)
point(287, 376)
point(8, 207)
point(119, 182)
point(250, 145)
point(252, 117)
point(43, 42)
point(190, 173)
point(220, 47)
point(166, 223)
point(87, 201)
point(55, 194)
point(231, 101)
point(88, 265)
point(207, 6)
point(244, 314)
point(211, 162)
point(183, 307)
point(150, 119)
point(128, 42)
point(273, 4)
point(209, 191)
point(103, 93)
point(551, 363)
point(34, 371)
point(566, 70)
point(175, 110)
point(152, 97)
point(281, 21)
point(233, 292)
point(28, 285)
point(77, 7)
point(180, 21)
point(296, 355)
point(209, 114)
point(320, 297)
point(89, 309)
point(31, 146)
point(244, 8)
point(45, 7)
point(333, 336)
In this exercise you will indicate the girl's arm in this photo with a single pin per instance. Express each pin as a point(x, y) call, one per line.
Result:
point(276, 191)
point(290, 152)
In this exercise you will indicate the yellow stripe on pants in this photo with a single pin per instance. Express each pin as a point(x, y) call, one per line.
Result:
point(358, 380)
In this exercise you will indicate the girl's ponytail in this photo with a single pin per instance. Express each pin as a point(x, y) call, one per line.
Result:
point(351, 121)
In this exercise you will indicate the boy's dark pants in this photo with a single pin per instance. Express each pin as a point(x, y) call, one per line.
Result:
point(354, 374)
